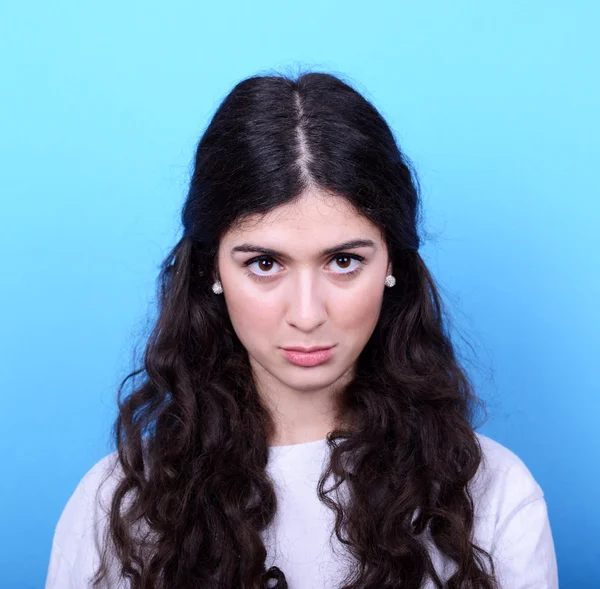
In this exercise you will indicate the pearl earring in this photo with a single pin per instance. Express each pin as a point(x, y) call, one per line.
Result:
point(217, 288)
point(390, 280)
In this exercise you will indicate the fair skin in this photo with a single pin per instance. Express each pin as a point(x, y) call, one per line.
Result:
point(303, 297)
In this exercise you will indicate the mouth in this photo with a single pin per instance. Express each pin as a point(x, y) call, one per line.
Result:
point(312, 356)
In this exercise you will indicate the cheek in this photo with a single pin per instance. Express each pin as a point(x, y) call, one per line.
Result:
point(250, 315)
point(357, 312)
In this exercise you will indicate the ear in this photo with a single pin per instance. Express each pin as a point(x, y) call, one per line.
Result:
point(389, 269)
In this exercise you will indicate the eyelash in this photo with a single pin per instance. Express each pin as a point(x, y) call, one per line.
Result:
point(260, 277)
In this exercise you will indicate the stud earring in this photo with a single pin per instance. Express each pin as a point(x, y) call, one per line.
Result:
point(390, 280)
point(217, 287)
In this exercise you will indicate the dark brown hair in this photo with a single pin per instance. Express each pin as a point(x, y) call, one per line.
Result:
point(192, 437)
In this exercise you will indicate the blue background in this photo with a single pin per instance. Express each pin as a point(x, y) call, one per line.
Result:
point(102, 105)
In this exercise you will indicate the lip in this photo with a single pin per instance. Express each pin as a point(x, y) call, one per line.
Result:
point(307, 350)
point(301, 357)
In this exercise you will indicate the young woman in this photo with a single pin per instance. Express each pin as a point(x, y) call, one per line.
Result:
point(303, 420)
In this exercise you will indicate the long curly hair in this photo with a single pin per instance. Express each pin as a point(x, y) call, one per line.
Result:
point(192, 437)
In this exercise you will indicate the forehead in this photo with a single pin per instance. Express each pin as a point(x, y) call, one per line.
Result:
point(313, 220)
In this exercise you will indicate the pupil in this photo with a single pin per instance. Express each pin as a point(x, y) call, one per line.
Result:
point(263, 262)
point(344, 265)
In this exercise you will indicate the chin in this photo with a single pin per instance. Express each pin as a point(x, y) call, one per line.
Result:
point(308, 379)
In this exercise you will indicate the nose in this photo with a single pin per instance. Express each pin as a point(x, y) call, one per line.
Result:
point(305, 302)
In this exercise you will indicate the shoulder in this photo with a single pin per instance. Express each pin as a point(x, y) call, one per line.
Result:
point(502, 476)
point(79, 534)
point(90, 501)
point(511, 519)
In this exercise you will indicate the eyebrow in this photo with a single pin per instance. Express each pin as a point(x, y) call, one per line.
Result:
point(248, 247)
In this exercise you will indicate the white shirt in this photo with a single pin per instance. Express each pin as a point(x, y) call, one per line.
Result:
point(511, 523)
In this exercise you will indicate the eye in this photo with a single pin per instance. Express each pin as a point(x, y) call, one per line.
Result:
point(263, 263)
point(266, 263)
point(346, 259)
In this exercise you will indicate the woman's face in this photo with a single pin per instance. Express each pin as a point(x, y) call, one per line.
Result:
point(289, 281)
